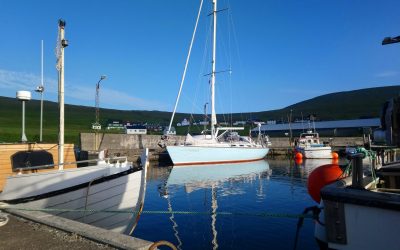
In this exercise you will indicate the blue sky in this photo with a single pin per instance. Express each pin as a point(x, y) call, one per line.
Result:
point(280, 52)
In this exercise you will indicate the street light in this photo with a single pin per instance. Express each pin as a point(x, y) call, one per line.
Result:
point(23, 96)
point(390, 40)
point(96, 125)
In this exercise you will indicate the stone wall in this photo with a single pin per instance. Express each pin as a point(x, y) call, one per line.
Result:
point(100, 141)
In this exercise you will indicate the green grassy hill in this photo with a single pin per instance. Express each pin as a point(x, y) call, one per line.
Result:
point(356, 104)
point(341, 105)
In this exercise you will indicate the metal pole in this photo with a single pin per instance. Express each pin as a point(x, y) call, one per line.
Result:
point(214, 49)
point(41, 100)
point(205, 117)
point(61, 94)
point(23, 138)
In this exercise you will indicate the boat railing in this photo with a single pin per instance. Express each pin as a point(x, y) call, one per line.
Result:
point(117, 160)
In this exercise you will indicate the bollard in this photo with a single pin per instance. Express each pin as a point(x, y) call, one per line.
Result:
point(357, 173)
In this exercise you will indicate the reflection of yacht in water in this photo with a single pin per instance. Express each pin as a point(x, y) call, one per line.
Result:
point(211, 177)
point(195, 177)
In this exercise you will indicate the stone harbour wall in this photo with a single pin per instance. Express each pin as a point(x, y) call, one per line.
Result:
point(99, 141)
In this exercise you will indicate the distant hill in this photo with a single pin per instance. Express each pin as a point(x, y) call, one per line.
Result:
point(354, 104)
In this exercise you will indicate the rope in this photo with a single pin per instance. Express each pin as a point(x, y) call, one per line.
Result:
point(186, 65)
point(367, 153)
point(371, 156)
point(3, 219)
point(162, 243)
point(257, 214)
point(315, 211)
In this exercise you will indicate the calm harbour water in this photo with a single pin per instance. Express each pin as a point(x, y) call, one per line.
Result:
point(273, 186)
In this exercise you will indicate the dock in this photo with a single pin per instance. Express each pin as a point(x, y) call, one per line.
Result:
point(132, 145)
point(39, 230)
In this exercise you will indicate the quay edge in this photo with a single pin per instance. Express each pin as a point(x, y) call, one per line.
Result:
point(89, 232)
point(132, 145)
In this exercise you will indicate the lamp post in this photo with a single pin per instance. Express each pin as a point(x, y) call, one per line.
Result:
point(390, 40)
point(62, 43)
point(96, 125)
point(23, 96)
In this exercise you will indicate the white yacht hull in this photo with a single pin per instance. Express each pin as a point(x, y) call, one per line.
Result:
point(123, 193)
point(315, 152)
point(194, 155)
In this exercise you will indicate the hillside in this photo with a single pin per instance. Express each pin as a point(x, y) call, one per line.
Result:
point(341, 105)
point(356, 104)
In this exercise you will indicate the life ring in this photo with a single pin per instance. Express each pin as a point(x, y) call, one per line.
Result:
point(162, 243)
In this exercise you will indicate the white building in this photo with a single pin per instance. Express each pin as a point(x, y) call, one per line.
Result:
point(170, 132)
point(239, 123)
point(185, 122)
point(136, 130)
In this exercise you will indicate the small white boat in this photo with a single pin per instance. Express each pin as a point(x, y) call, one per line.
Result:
point(310, 146)
point(29, 178)
point(215, 147)
point(362, 211)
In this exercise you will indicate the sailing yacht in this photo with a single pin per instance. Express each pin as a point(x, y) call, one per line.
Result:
point(223, 144)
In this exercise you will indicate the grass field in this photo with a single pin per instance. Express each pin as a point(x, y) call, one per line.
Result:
point(356, 104)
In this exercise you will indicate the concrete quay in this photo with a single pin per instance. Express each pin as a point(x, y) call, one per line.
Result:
point(38, 230)
point(132, 145)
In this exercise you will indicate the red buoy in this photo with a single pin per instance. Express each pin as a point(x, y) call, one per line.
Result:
point(320, 177)
point(298, 155)
point(335, 155)
point(298, 161)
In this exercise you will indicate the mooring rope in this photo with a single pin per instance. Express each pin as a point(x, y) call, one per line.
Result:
point(3, 219)
point(257, 214)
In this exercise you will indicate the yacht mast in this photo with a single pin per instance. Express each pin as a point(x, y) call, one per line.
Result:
point(213, 115)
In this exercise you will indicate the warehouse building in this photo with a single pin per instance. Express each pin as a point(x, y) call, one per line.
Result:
point(355, 127)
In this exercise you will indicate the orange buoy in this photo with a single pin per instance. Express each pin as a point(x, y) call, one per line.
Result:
point(335, 161)
point(335, 155)
point(298, 155)
point(320, 177)
point(298, 161)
